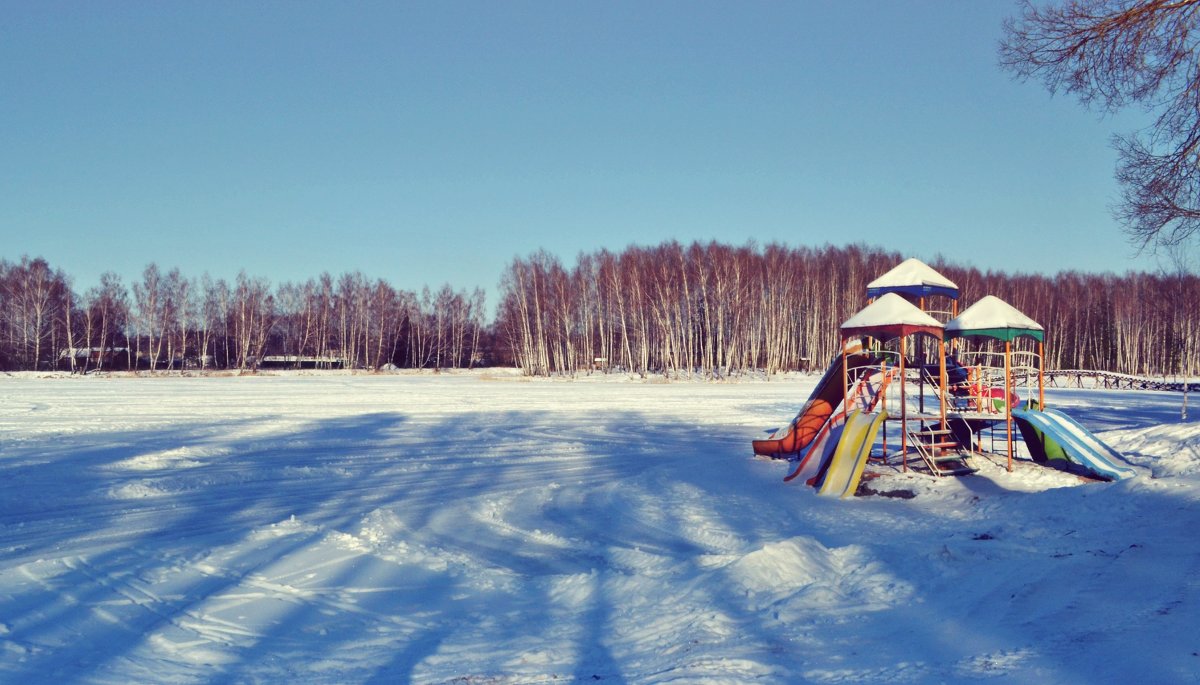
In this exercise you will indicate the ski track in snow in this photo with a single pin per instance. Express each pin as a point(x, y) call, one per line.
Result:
point(465, 528)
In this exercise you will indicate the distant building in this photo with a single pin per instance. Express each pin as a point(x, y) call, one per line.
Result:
point(301, 361)
point(93, 357)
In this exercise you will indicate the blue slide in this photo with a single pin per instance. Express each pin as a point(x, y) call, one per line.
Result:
point(1077, 442)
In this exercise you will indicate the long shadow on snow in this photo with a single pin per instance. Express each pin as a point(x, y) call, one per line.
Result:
point(518, 529)
point(585, 543)
point(65, 483)
point(139, 538)
point(664, 512)
point(219, 505)
point(342, 470)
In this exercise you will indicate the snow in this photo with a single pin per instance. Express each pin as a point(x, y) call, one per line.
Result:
point(889, 310)
point(989, 313)
point(913, 275)
point(482, 528)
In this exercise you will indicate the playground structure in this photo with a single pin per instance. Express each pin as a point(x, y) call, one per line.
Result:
point(942, 387)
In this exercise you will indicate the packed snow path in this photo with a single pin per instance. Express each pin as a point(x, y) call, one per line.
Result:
point(480, 528)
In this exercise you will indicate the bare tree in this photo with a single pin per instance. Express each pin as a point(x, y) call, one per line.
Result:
point(70, 322)
point(298, 305)
point(178, 314)
point(214, 320)
point(150, 319)
point(253, 316)
point(1114, 53)
point(32, 297)
point(476, 322)
point(383, 324)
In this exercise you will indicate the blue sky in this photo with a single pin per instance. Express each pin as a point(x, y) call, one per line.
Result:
point(430, 143)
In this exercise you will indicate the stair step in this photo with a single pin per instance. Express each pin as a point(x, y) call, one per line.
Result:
point(949, 457)
point(930, 433)
point(961, 471)
point(945, 444)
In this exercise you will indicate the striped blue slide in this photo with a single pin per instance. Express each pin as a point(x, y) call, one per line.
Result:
point(1079, 444)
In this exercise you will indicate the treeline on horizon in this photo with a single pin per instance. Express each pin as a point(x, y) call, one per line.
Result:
point(168, 321)
point(704, 309)
point(719, 310)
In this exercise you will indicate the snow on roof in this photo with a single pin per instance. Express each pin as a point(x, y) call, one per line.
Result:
point(912, 277)
point(992, 317)
point(891, 315)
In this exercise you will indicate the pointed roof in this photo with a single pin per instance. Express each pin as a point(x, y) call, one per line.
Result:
point(913, 277)
point(992, 317)
point(891, 316)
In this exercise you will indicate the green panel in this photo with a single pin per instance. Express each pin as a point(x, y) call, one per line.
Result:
point(1007, 334)
point(1041, 447)
point(1053, 449)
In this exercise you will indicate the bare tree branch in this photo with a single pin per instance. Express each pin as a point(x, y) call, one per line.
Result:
point(1112, 54)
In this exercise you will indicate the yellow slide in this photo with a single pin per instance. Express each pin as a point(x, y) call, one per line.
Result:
point(846, 467)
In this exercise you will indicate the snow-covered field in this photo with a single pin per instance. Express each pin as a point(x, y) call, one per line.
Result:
point(479, 528)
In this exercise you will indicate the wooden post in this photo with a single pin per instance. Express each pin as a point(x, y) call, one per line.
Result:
point(954, 315)
point(845, 382)
point(883, 401)
point(942, 379)
point(921, 365)
point(1007, 396)
point(903, 408)
point(921, 375)
point(1041, 376)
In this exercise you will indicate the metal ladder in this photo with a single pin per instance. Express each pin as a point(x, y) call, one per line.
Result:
point(941, 452)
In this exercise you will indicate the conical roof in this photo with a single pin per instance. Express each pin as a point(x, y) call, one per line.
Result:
point(992, 317)
point(915, 278)
point(891, 316)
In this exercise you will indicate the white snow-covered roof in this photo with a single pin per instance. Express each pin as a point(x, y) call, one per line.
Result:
point(993, 317)
point(891, 314)
point(912, 277)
